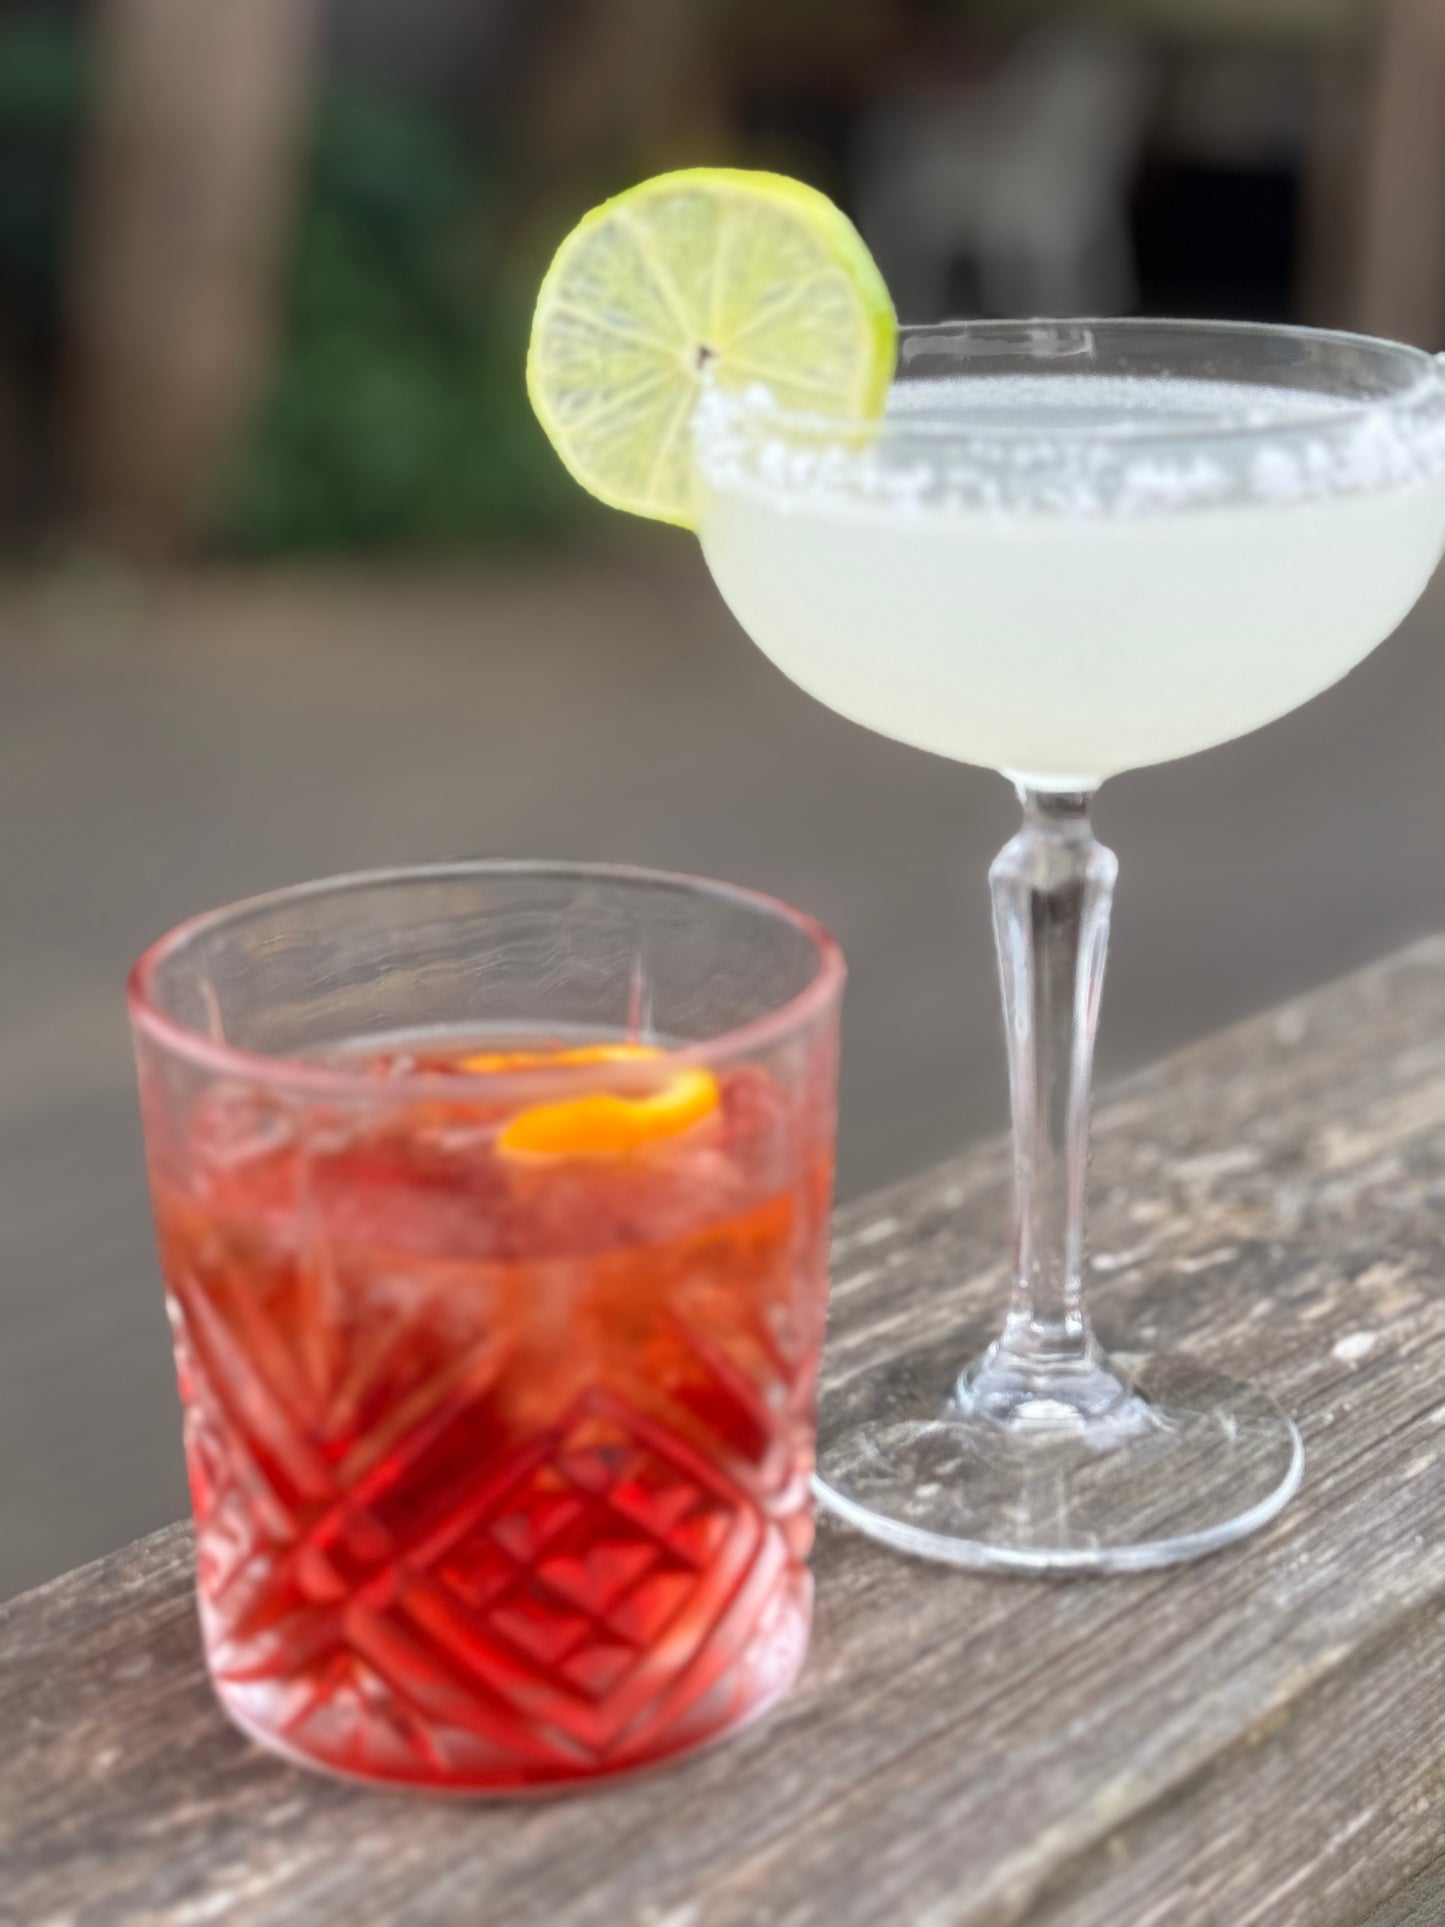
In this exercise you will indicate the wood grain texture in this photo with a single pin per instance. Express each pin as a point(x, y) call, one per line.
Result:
point(1254, 1739)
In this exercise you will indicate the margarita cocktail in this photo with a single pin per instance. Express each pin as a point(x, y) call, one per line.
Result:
point(1070, 549)
point(1060, 549)
point(1164, 564)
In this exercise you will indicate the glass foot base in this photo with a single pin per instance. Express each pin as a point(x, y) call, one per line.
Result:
point(1150, 1461)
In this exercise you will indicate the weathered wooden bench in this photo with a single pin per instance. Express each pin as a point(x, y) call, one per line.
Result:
point(1257, 1740)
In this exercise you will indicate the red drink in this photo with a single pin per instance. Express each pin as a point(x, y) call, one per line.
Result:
point(499, 1421)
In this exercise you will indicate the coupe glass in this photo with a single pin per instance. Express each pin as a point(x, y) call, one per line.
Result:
point(492, 1203)
point(1069, 549)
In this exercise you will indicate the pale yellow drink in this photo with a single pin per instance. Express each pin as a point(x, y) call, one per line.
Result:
point(1064, 641)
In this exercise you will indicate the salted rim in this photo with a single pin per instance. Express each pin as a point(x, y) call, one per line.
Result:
point(1430, 378)
point(931, 462)
point(316, 1079)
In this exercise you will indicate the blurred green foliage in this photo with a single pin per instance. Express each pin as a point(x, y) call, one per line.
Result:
point(397, 413)
point(42, 95)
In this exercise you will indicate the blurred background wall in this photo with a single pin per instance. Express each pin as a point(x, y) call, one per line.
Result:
point(290, 583)
point(265, 269)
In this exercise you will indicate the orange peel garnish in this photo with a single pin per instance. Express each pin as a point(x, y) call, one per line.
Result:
point(602, 1124)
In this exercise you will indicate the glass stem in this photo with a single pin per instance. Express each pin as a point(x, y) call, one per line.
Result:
point(1053, 886)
